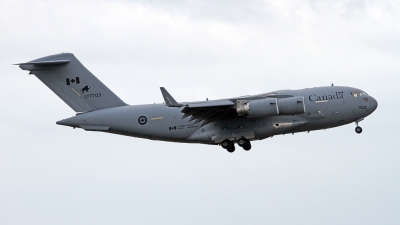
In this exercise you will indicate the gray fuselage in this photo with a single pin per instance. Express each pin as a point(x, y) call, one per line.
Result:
point(325, 107)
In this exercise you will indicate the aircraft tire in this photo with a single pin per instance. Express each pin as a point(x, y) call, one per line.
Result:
point(242, 142)
point(247, 147)
point(231, 148)
point(225, 144)
point(358, 130)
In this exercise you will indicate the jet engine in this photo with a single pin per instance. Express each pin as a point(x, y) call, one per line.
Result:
point(272, 107)
point(259, 108)
point(291, 106)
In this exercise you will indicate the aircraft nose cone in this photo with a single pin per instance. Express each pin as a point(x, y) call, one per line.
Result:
point(373, 104)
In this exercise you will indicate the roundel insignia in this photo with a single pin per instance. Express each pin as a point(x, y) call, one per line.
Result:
point(142, 120)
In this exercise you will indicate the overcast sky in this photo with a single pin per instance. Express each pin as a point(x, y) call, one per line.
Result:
point(52, 174)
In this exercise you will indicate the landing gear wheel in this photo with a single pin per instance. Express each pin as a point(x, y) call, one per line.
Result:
point(358, 130)
point(242, 142)
point(225, 144)
point(231, 148)
point(247, 147)
point(228, 145)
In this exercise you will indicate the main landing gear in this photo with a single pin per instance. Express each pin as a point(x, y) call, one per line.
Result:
point(230, 146)
point(244, 143)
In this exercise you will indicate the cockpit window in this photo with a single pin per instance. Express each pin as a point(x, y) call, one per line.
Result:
point(358, 94)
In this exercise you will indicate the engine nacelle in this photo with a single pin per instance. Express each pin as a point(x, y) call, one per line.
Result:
point(273, 107)
point(259, 108)
point(291, 106)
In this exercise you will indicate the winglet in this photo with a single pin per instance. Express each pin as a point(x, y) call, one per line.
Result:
point(169, 100)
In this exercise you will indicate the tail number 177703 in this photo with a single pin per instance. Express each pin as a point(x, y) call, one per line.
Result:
point(96, 95)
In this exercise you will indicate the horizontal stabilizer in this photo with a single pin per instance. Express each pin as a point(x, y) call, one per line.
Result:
point(41, 65)
point(169, 100)
point(45, 63)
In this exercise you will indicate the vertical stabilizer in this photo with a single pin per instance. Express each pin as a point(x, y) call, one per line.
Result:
point(72, 82)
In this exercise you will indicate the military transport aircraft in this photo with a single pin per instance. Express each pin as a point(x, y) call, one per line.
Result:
point(219, 122)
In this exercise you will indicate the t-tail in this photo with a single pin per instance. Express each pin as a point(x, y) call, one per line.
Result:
point(72, 82)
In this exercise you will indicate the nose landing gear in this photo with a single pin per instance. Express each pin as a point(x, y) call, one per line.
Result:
point(358, 128)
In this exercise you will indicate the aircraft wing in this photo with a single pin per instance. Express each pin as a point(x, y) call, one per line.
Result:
point(205, 111)
point(208, 111)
